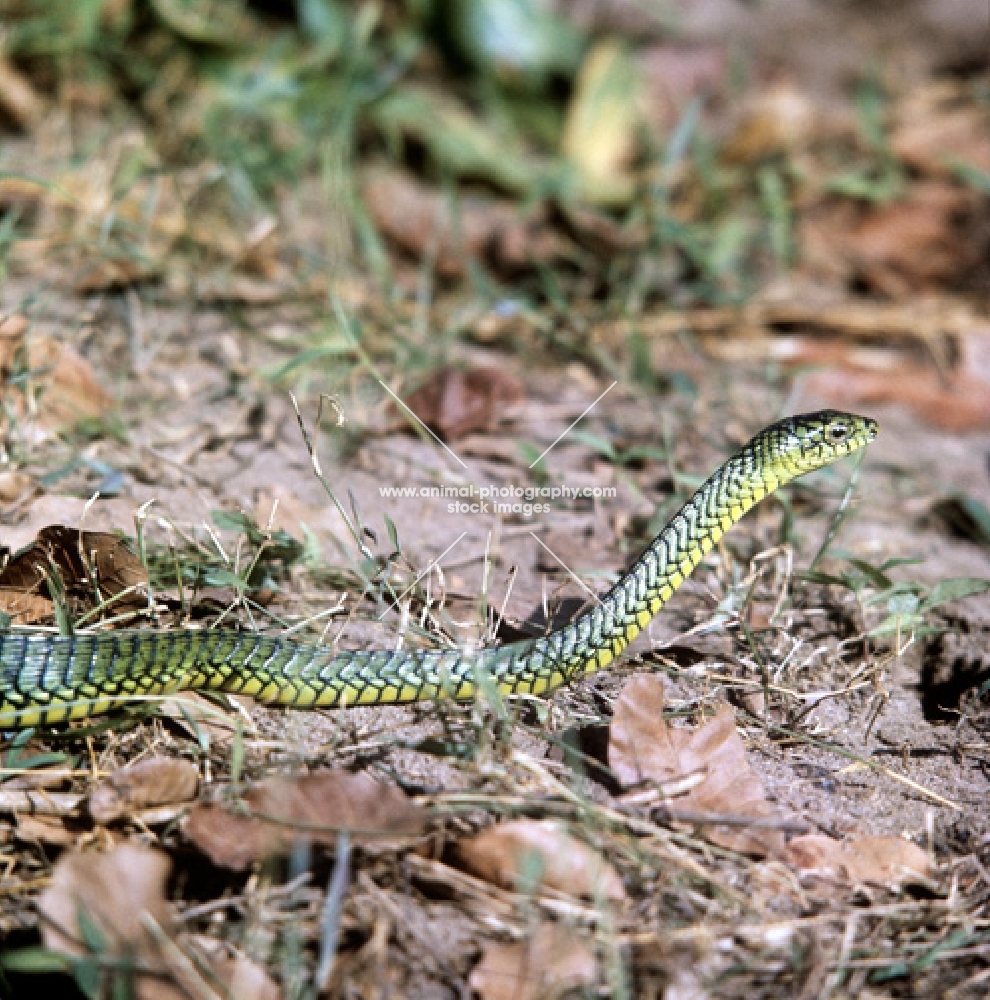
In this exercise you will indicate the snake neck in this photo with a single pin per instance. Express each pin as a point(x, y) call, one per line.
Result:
point(594, 640)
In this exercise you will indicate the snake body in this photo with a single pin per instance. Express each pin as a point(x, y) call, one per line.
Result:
point(47, 679)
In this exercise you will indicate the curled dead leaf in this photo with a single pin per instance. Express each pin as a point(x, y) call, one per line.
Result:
point(49, 830)
point(524, 853)
point(153, 782)
point(643, 747)
point(551, 962)
point(85, 561)
point(70, 389)
point(316, 807)
point(25, 609)
point(136, 879)
point(227, 839)
point(422, 222)
point(889, 861)
point(933, 136)
point(454, 402)
point(63, 384)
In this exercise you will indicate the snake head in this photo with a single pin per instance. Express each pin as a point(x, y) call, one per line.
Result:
point(811, 440)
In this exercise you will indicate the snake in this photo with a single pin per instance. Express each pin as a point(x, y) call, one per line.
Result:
point(48, 679)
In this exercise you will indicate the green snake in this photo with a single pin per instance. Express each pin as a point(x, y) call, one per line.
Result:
point(47, 679)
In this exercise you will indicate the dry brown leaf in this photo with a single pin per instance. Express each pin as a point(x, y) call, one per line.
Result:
point(917, 242)
point(934, 138)
point(454, 402)
point(525, 852)
point(24, 608)
point(228, 840)
point(422, 221)
point(643, 747)
point(153, 782)
point(314, 806)
point(118, 892)
point(45, 830)
point(62, 383)
point(70, 390)
point(119, 896)
point(551, 962)
point(913, 243)
point(888, 861)
point(82, 559)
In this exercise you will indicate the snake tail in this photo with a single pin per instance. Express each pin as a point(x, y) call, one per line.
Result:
point(47, 679)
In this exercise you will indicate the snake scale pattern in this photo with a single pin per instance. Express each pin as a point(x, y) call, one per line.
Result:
point(47, 679)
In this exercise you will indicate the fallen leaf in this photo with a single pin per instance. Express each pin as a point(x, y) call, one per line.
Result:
point(913, 243)
point(85, 561)
point(24, 608)
point(103, 514)
point(551, 962)
point(932, 135)
point(888, 861)
point(63, 388)
point(314, 806)
point(524, 853)
point(153, 782)
point(424, 223)
point(920, 241)
point(454, 401)
point(227, 839)
point(45, 830)
point(643, 747)
point(80, 881)
point(70, 391)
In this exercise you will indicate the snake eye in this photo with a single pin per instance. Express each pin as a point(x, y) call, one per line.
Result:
point(837, 432)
